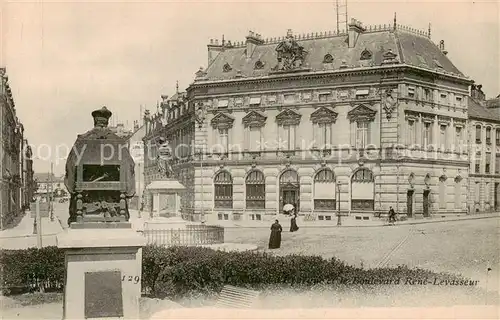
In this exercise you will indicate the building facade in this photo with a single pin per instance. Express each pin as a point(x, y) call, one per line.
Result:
point(484, 141)
point(352, 121)
point(12, 155)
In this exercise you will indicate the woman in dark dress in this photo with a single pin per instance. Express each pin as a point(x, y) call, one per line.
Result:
point(293, 222)
point(275, 238)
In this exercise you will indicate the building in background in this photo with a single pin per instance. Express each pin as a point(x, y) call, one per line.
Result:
point(353, 121)
point(12, 155)
point(29, 185)
point(50, 186)
point(484, 142)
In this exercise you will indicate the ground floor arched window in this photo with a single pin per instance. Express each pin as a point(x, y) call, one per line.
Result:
point(324, 190)
point(363, 190)
point(223, 190)
point(255, 184)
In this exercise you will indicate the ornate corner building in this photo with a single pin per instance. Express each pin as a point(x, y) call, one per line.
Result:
point(353, 121)
point(484, 138)
point(16, 165)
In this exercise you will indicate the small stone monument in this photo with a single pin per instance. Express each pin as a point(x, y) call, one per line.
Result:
point(166, 191)
point(102, 252)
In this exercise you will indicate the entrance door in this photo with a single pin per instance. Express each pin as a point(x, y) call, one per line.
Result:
point(289, 196)
point(409, 203)
point(497, 196)
point(426, 203)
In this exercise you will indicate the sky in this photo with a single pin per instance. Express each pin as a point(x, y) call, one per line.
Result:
point(66, 59)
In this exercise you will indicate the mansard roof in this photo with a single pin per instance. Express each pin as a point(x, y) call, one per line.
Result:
point(410, 48)
point(480, 112)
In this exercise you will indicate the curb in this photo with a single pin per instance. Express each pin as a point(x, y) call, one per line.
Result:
point(375, 225)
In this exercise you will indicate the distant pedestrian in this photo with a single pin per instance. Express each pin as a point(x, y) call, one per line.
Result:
point(293, 222)
point(392, 215)
point(275, 238)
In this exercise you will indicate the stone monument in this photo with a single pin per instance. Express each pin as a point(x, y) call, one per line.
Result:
point(166, 191)
point(102, 252)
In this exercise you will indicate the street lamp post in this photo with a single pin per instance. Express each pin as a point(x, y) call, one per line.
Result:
point(51, 203)
point(202, 217)
point(339, 219)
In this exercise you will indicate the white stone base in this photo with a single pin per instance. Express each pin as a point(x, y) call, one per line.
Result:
point(91, 251)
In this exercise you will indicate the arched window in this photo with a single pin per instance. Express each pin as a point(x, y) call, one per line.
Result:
point(328, 58)
point(223, 195)
point(478, 133)
point(324, 190)
point(363, 190)
point(255, 190)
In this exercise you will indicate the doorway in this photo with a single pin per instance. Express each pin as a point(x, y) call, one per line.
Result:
point(426, 202)
point(409, 203)
point(289, 190)
point(289, 195)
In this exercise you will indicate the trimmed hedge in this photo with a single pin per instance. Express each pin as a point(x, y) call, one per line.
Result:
point(179, 271)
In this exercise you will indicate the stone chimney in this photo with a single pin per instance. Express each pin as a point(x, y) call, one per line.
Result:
point(213, 49)
point(477, 93)
point(441, 47)
point(253, 40)
point(355, 29)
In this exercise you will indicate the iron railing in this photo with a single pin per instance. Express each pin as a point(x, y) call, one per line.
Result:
point(193, 235)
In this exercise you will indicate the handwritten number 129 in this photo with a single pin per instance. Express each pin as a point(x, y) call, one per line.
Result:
point(135, 279)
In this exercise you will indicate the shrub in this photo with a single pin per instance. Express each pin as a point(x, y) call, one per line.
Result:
point(182, 271)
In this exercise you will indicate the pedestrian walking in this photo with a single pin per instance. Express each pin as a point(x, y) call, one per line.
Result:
point(275, 238)
point(293, 222)
point(392, 215)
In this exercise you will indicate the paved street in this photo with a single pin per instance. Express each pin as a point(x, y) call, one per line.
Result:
point(467, 247)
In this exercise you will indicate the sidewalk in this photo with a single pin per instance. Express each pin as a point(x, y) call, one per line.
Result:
point(21, 236)
point(349, 221)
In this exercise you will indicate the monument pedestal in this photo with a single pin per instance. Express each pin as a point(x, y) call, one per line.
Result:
point(166, 196)
point(103, 271)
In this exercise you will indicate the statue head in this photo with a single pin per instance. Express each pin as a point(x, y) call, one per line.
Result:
point(101, 117)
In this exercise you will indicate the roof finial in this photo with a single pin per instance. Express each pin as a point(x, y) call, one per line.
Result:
point(394, 21)
point(177, 86)
point(222, 40)
point(429, 31)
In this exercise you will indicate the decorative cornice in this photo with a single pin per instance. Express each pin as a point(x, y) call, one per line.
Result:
point(361, 113)
point(324, 115)
point(288, 117)
point(222, 121)
point(254, 119)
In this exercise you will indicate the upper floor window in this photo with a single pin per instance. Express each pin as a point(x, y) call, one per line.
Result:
point(488, 135)
point(223, 103)
point(411, 92)
point(497, 163)
point(487, 163)
point(427, 95)
point(477, 168)
point(458, 100)
point(497, 137)
point(478, 133)
point(362, 93)
point(324, 96)
point(427, 134)
point(411, 132)
point(444, 98)
point(362, 134)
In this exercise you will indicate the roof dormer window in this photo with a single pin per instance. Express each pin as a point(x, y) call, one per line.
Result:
point(227, 68)
point(259, 65)
point(365, 55)
point(328, 58)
